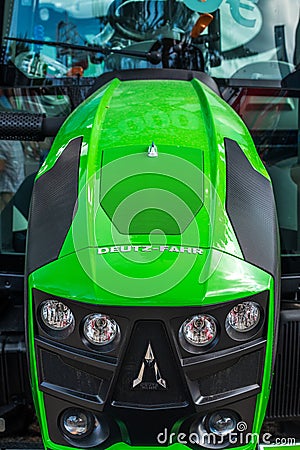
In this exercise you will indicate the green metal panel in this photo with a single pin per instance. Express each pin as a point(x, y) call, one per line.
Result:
point(198, 263)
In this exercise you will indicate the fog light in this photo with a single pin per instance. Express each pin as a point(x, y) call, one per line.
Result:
point(213, 431)
point(83, 429)
point(100, 329)
point(222, 423)
point(199, 330)
point(78, 423)
point(56, 315)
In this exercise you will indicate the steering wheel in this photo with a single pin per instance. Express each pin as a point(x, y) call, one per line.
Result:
point(141, 20)
point(177, 55)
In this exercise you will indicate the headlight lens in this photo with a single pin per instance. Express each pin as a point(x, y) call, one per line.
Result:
point(56, 315)
point(222, 423)
point(77, 422)
point(243, 317)
point(82, 428)
point(200, 330)
point(213, 431)
point(100, 329)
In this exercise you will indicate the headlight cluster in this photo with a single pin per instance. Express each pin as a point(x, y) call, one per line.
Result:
point(197, 333)
point(201, 331)
point(58, 320)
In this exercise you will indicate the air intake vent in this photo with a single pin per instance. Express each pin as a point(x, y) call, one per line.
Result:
point(285, 395)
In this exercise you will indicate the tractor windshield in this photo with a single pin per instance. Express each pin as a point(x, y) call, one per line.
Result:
point(250, 48)
point(248, 39)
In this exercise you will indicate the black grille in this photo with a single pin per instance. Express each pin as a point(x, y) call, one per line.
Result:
point(251, 208)
point(21, 126)
point(285, 395)
point(61, 374)
point(244, 372)
point(53, 204)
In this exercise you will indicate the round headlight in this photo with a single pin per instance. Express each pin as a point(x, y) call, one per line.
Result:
point(243, 317)
point(199, 330)
point(56, 315)
point(100, 329)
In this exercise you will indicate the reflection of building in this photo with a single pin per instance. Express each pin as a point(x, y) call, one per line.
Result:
point(248, 33)
point(85, 9)
point(269, 36)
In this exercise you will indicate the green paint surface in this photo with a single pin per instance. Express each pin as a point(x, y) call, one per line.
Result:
point(194, 257)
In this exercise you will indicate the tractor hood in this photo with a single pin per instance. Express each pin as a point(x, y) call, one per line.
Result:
point(140, 172)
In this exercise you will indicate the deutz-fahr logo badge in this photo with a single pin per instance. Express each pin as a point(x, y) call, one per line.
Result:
point(150, 363)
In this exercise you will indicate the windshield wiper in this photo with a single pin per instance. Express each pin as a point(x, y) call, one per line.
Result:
point(154, 57)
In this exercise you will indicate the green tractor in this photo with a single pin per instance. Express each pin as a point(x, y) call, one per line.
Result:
point(152, 270)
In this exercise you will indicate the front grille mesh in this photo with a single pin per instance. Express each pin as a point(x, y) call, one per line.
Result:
point(285, 395)
point(244, 372)
point(60, 373)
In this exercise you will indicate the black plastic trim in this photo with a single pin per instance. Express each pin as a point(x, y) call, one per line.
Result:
point(196, 370)
point(191, 368)
point(21, 126)
point(53, 206)
point(55, 408)
point(155, 74)
point(242, 409)
point(28, 126)
point(212, 358)
point(100, 361)
point(103, 368)
point(251, 208)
